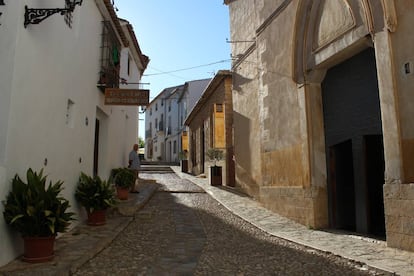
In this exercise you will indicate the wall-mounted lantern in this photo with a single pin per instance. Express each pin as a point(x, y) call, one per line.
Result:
point(35, 16)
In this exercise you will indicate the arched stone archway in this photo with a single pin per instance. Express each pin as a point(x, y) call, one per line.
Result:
point(328, 33)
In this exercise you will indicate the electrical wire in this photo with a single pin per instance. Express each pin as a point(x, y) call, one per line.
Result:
point(163, 72)
point(188, 68)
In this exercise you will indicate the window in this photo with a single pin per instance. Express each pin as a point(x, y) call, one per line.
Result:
point(156, 123)
point(175, 147)
point(169, 106)
point(110, 54)
point(156, 106)
point(150, 130)
point(169, 125)
point(162, 125)
point(129, 65)
point(151, 111)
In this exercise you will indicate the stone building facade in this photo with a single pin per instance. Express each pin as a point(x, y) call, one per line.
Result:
point(323, 108)
point(161, 121)
point(210, 125)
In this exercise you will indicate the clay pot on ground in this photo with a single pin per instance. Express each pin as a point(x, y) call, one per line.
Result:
point(97, 217)
point(38, 249)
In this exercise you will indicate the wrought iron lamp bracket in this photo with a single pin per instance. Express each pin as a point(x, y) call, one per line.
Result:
point(35, 16)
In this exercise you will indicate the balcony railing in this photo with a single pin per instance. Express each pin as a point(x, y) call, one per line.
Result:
point(108, 78)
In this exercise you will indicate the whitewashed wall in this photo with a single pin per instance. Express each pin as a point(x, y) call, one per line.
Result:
point(42, 68)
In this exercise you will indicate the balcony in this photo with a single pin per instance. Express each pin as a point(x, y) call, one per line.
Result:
point(108, 78)
point(148, 133)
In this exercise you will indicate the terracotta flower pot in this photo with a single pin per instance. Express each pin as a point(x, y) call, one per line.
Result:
point(122, 193)
point(97, 217)
point(38, 249)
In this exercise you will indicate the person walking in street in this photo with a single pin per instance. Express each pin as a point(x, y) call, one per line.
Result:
point(134, 164)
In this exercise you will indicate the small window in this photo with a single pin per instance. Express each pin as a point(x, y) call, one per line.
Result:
point(219, 108)
point(69, 113)
point(175, 147)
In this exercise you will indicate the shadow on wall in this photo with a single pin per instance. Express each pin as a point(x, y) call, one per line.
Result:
point(239, 81)
point(242, 150)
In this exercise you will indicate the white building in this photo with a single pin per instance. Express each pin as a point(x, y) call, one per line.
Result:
point(52, 112)
point(164, 120)
point(160, 116)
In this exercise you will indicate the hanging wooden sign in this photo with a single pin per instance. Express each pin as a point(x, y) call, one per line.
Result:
point(117, 96)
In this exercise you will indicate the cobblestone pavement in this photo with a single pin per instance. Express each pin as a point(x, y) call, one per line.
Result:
point(184, 231)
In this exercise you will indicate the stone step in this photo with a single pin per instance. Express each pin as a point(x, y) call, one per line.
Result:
point(152, 168)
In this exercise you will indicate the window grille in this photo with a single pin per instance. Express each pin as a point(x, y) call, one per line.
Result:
point(110, 58)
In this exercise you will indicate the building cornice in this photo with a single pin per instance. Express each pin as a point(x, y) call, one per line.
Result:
point(143, 58)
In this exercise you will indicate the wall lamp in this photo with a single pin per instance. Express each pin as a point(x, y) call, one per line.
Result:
point(35, 16)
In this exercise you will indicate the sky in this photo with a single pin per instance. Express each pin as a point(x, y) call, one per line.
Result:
point(177, 35)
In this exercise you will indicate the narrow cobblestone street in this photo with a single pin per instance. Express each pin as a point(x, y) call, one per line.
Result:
point(184, 231)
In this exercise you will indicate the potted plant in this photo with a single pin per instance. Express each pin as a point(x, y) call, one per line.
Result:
point(38, 212)
point(96, 195)
point(124, 180)
point(184, 161)
point(215, 155)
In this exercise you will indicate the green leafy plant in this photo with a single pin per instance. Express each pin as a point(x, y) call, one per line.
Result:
point(124, 178)
point(114, 172)
point(94, 193)
point(35, 209)
point(215, 155)
point(183, 155)
point(141, 143)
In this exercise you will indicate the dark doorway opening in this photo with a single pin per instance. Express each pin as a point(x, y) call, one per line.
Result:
point(374, 152)
point(96, 149)
point(342, 186)
point(354, 147)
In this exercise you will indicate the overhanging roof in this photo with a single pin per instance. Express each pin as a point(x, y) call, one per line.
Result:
point(211, 87)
